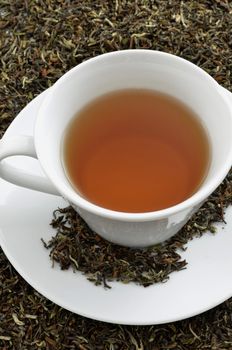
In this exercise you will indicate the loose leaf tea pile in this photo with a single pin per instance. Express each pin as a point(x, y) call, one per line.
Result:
point(41, 40)
point(77, 246)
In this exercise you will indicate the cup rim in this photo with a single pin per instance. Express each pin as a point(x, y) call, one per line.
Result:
point(74, 198)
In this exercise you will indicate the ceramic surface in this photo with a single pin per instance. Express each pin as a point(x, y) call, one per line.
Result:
point(24, 218)
point(145, 69)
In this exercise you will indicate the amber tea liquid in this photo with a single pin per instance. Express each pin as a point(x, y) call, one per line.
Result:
point(136, 151)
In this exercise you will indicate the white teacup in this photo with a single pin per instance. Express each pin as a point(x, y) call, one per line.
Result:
point(119, 70)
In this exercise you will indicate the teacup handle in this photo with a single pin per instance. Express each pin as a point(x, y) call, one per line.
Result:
point(22, 145)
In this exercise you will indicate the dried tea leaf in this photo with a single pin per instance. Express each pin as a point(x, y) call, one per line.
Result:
point(16, 320)
point(76, 245)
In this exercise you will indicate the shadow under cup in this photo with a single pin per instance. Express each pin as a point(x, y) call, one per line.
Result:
point(132, 69)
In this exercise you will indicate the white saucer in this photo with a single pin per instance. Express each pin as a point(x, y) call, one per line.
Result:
point(24, 218)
